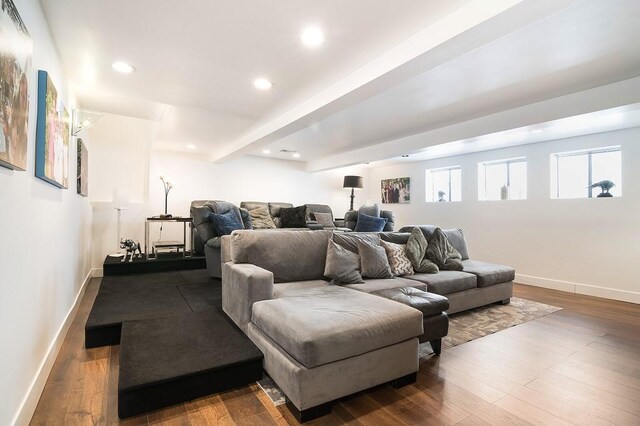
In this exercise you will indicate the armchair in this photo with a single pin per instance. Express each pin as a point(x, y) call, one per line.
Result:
point(206, 239)
point(351, 219)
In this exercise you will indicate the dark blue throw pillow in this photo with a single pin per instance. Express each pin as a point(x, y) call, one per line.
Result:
point(225, 223)
point(368, 223)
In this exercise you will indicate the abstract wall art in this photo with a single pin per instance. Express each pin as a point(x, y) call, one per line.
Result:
point(52, 135)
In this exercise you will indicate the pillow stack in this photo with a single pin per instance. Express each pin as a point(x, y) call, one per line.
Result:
point(430, 257)
point(364, 256)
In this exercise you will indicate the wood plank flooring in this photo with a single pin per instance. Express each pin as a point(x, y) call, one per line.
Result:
point(580, 365)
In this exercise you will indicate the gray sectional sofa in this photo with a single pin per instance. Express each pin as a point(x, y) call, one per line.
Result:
point(322, 341)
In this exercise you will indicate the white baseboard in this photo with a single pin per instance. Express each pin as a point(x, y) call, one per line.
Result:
point(97, 272)
point(579, 288)
point(30, 401)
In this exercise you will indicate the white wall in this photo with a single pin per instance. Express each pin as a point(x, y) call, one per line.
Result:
point(589, 246)
point(44, 250)
point(123, 145)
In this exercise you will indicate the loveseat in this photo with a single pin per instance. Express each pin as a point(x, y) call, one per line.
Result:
point(323, 341)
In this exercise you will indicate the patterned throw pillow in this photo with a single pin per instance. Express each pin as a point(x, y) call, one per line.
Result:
point(293, 217)
point(398, 260)
point(261, 218)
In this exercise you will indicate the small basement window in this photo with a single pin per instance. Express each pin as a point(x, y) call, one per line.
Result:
point(444, 184)
point(587, 173)
point(503, 179)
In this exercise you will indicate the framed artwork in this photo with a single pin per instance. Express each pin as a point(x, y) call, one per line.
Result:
point(83, 169)
point(16, 49)
point(396, 191)
point(52, 135)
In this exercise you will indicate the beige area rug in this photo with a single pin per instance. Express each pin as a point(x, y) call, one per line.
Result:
point(463, 327)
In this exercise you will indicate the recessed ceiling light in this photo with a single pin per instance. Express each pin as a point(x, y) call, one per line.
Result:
point(262, 84)
point(266, 151)
point(312, 36)
point(295, 155)
point(123, 67)
point(191, 146)
point(537, 131)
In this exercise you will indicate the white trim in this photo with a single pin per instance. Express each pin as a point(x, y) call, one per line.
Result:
point(97, 272)
point(578, 288)
point(30, 401)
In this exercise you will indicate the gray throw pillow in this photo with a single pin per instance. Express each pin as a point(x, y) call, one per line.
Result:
point(373, 210)
point(416, 250)
point(261, 218)
point(442, 253)
point(350, 241)
point(342, 266)
point(324, 219)
point(373, 260)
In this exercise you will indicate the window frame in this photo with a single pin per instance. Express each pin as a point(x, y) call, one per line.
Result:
point(590, 153)
point(508, 162)
point(448, 169)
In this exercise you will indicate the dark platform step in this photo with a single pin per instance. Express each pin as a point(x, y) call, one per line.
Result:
point(166, 361)
point(136, 297)
point(164, 262)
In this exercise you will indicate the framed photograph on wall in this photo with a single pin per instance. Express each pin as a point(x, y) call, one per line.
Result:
point(83, 169)
point(396, 191)
point(52, 135)
point(16, 49)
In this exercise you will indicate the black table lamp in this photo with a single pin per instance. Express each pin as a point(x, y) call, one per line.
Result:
point(352, 182)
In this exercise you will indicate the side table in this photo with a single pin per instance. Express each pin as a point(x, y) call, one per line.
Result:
point(168, 244)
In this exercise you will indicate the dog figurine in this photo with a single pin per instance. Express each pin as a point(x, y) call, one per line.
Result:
point(132, 247)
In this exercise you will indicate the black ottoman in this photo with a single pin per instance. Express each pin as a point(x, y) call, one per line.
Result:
point(435, 320)
point(169, 360)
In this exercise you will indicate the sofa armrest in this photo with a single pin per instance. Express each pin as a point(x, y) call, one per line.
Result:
point(243, 284)
point(314, 225)
point(391, 219)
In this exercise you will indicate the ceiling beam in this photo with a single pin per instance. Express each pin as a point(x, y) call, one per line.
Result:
point(470, 27)
point(609, 96)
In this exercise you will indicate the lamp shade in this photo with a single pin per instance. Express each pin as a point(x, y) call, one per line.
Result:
point(352, 182)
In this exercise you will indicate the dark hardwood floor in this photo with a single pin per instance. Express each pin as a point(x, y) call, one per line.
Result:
point(580, 365)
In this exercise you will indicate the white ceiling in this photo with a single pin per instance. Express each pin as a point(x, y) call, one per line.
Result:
point(393, 77)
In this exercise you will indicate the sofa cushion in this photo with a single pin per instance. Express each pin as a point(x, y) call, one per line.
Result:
point(332, 323)
point(383, 284)
point(489, 273)
point(427, 303)
point(350, 241)
point(447, 282)
point(291, 255)
point(368, 223)
point(373, 260)
point(296, 287)
point(342, 266)
point(398, 260)
point(261, 218)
